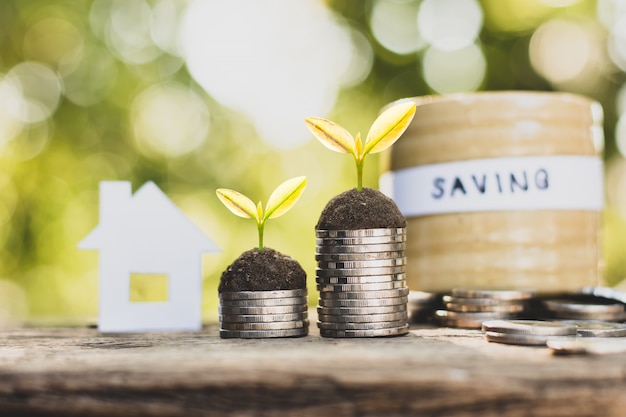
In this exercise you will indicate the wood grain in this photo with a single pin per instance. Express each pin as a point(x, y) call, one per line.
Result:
point(432, 371)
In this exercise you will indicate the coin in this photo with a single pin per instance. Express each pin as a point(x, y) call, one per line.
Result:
point(296, 308)
point(480, 301)
point(359, 272)
point(363, 295)
point(579, 307)
point(277, 325)
point(366, 279)
point(362, 264)
point(363, 318)
point(587, 328)
point(255, 295)
point(499, 294)
point(379, 247)
point(397, 331)
point(340, 311)
point(572, 315)
point(264, 302)
point(262, 334)
point(530, 327)
point(361, 326)
point(371, 256)
point(261, 318)
point(467, 320)
point(362, 303)
point(332, 241)
point(476, 308)
point(360, 232)
point(361, 287)
point(521, 339)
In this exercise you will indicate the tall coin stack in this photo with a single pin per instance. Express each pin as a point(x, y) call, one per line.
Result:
point(263, 314)
point(361, 277)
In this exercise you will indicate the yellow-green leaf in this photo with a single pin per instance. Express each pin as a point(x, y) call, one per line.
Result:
point(358, 146)
point(388, 127)
point(284, 197)
point(332, 135)
point(237, 203)
point(259, 210)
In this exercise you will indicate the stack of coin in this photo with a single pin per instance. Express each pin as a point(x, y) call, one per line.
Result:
point(527, 332)
point(584, 309)
point(362, 282)
point(263, 314)
point(469, 308)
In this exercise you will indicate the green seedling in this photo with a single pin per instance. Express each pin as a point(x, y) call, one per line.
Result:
point(280, 201)
point(385, 130)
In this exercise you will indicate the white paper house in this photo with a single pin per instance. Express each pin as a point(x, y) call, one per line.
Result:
point(146, 233)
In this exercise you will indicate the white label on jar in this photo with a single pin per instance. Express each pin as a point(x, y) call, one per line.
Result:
point(517, 183)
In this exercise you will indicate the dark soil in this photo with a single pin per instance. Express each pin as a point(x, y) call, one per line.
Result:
point(366, 209)
point(263, 270)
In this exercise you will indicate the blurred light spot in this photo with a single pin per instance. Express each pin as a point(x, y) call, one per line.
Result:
point(559, 3)
point(450, 24)
point(361, 60)
point(91, 79)
point(50, 40)
point(461, 70)
point(617, 43)
point(169, 120)
point(32, 141)
point(275, 61)
point(515, 15)
point(394, 25)
point(164, 22)
point(40, 89)
point(13, 303)
point(10, 105)
point(610, 11)
point(559, 50)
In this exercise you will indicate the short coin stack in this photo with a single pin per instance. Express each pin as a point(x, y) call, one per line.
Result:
point(584, 309)
point(361, 277)
point(527, 332)
point(263, 314)
point(469, 308)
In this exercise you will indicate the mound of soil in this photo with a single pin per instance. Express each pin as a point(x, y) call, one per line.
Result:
point(263, 270)
point(366, 209)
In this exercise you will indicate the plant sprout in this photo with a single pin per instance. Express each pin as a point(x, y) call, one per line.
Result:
point(385, 130)
point(280, 201)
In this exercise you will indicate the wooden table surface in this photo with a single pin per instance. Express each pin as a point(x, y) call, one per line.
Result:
point(432, 371)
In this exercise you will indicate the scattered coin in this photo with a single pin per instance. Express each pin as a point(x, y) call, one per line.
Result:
point(363, 318)
point(467, 320)
point(587, 310)
point(363, 303)
point(522, 339)
point(296, 308)
point(362, 264)
point(376, 286)
point(477, 308)
point(262, 334)
point(277, 325)
point(481, 301)
point(360, 232)
point(587, 328)
point(530, 327)
point(340, 311)
point(255, 295)
point(265, 302)
point(323, 325)
point(363, 295)
point(498, 294)
point(261, 318)
point(366, 333)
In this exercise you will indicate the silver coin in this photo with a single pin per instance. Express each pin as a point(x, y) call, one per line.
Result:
point(366, 279)
point(477, 308)
point(341, 311)
point(362, 264)
point(530, 327)
point(498, 294)
point(361, 326)
point(277, 325)
point(605, 292)
point(467, 320)
point(297, 308)
point(367, 256)
point(261, 318)
point(363, 303)
point(481, 301)
point(587, 328)
point(256, 295)
point(377, 286)
point(264, 302)
point(334, 241)
point(380, 247)
point(359, 272)
point(583, 308)
point(572, 315)
point(263, 334)
point(521, 339)
point(363, 318)
point(364, 295)
point(361, 232)
point(397, 331)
